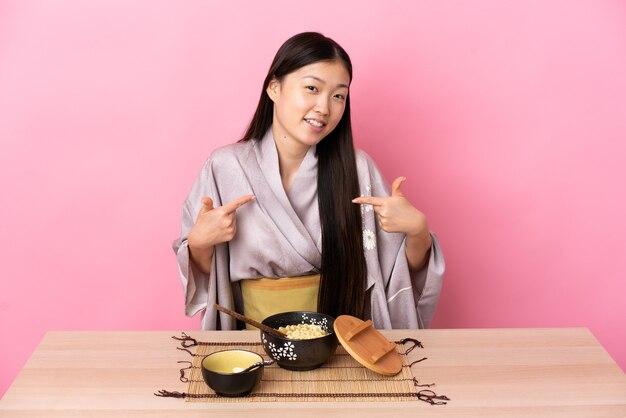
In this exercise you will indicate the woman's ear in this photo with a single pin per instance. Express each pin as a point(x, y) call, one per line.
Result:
point(273, 89)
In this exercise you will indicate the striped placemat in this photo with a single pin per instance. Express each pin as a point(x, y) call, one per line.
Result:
point(341, 378)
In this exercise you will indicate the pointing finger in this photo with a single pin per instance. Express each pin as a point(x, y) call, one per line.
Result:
point(237, 203)
point(369, 200)
point(395, 187)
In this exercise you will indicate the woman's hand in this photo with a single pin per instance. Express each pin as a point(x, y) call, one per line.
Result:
point(214, 225)
point(397, 214)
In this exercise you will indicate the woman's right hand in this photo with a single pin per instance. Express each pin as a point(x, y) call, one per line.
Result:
point(215, 225)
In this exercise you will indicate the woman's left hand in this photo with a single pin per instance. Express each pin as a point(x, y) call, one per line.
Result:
point(395, 212)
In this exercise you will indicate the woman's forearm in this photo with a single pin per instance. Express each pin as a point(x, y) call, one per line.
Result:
point(202, 257)
point(417, 250)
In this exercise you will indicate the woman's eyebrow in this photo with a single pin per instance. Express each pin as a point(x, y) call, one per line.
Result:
point(324, 82)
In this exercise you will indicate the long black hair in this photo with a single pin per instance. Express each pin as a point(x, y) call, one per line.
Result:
point(343, 269)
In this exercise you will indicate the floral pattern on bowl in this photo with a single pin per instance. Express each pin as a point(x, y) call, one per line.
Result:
point(285, 351)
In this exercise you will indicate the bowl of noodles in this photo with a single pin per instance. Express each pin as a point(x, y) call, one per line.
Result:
point(310, 340)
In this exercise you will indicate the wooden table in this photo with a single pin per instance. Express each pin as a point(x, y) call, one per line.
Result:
point(485, 372)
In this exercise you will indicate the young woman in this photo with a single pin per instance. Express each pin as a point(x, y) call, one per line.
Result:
point(292, 217)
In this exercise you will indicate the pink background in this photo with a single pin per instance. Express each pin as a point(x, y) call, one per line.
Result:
point(507, 118)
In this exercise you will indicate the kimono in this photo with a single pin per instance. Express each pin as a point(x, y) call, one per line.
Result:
point(279, 235)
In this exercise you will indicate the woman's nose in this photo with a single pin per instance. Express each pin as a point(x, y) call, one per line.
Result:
point(321, 106)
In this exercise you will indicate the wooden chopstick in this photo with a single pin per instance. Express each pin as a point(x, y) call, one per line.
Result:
point(269, 330)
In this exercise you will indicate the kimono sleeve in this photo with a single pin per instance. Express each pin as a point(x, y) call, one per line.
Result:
point(399, 298)
point(203, 290)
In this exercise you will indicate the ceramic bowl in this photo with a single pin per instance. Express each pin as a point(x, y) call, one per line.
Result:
point(222, 372)
point(300, 354)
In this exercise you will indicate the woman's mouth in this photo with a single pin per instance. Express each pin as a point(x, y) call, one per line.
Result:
point(315, 124)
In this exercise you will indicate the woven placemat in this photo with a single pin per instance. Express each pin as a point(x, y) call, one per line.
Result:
point(340, 379)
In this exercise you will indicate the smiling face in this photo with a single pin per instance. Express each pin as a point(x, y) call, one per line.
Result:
point(309, 103)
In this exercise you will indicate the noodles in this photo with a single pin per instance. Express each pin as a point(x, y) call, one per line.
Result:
point(303, 331)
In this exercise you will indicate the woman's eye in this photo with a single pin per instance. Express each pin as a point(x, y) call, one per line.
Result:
point(311, 88)
point(340, 96)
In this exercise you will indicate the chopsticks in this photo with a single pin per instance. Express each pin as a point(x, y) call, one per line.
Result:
point(263, 327)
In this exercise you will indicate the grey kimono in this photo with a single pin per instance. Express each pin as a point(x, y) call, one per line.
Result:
point(279, 235)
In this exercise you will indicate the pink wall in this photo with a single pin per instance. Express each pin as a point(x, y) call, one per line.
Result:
point(508, 119)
